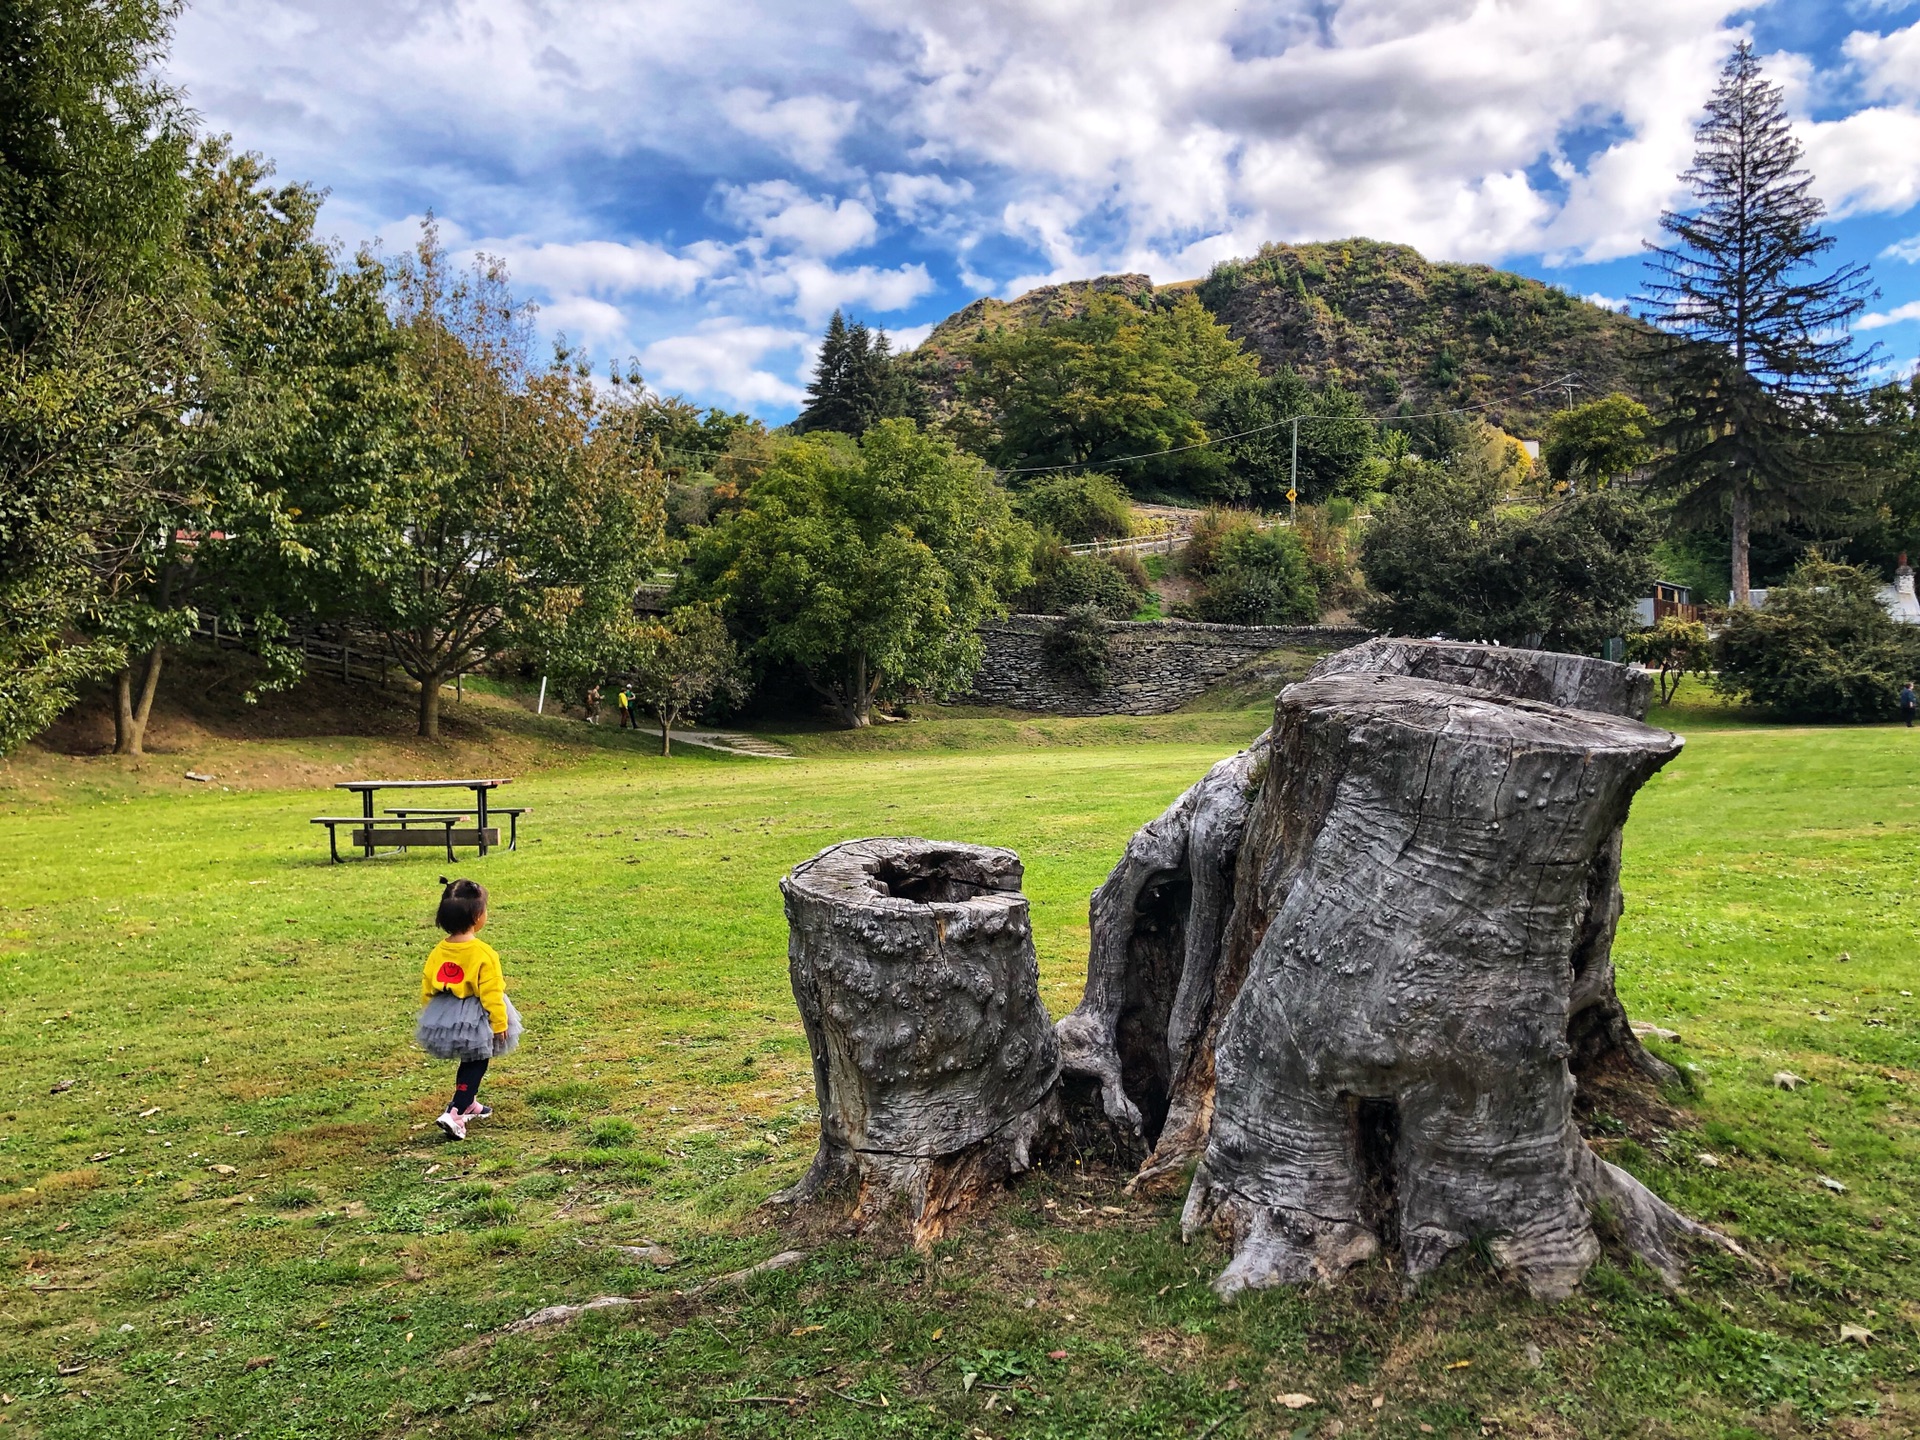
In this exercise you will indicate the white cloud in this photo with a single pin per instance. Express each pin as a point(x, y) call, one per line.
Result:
point(817, 290)
point(1899, 315)
point(726, 358)
point(779, 210)
point(1867, 161)
point(922, 197)
point(806, 129)
point(1607, 302)
point(907, 337)
point(1907, 250)
point(604, 267)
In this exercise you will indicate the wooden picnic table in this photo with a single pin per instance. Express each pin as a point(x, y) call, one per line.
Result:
point(369, 788)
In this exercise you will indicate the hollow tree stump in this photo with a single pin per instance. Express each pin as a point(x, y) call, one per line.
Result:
point(934, 1061)
point(1394, 1068)
point(1175, 925)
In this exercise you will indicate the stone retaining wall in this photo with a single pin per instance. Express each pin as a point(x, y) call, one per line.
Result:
point(1154, 665)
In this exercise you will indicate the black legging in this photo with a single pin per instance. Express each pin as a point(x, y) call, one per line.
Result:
point(466, 1083)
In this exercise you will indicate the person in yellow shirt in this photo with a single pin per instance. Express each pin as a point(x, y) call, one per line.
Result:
point(465, 1015)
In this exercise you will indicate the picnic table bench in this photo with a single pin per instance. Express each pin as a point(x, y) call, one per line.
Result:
point(409, 826)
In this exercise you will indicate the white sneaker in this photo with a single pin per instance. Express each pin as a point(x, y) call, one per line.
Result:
point(453, 1123)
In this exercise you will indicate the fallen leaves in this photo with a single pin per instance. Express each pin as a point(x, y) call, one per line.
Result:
point(1858, 1334)
point(223, 1169)
point(1294, 1400)
point(1829, 1183)
point(260, 1362)
point(1787, 1080)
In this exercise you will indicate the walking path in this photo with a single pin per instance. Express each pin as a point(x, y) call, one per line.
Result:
point(734, 742)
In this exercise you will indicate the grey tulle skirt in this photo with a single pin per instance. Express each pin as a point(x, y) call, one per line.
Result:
point(459, 1028)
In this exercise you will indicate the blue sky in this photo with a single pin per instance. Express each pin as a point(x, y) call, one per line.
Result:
point(700, 185)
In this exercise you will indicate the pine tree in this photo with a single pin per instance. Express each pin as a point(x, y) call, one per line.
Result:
point(1754, 357)
point(857, 381)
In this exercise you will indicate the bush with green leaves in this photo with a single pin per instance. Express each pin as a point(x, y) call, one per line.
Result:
point(1063, 581)
point(1251, 576)
point(1821, 648)
point(1078, 508)
point(1444, 556)
point(1078, 647)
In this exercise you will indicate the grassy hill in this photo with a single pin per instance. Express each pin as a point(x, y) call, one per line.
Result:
point(1380, 319)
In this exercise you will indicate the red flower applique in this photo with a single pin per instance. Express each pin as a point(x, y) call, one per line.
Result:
point(450, 974)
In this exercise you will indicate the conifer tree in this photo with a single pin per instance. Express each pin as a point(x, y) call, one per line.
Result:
point(1754, 355)
point(857, 382)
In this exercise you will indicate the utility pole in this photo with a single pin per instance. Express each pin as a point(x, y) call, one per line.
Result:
point(1293, 476)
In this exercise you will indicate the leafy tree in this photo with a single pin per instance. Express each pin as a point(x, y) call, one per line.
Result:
point(1118, 380)
point(1078, 508)
point(868, 565)
point(1822, 647)
point(1064, 582)
point(1444, 558)
point(681, 666)
point(1754, 351)
point(97, 335)
point(1674, 648)
point(297, 426)
point(1336, 440)
point(532, 495)
point(857, 382)
point(1597, 442)
point(1251, 576)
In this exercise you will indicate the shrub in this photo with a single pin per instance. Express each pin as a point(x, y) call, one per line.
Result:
point(1076, 646)
point(1062, 581)
point(1078, 508)
point(1258, 577)
point(1821, 647)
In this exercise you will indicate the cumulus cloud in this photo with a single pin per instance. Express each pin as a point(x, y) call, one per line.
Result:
point(923, 197)
point(806, 129)
point(724, 357)
point(1907, 250)
point(818, 290)
point(780, 211)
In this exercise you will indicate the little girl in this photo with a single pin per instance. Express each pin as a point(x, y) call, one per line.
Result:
point(467, 1016)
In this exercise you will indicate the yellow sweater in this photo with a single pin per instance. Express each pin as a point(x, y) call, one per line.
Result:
point(467, 967)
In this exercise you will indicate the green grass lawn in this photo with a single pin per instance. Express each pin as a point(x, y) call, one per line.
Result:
point(224, 1210)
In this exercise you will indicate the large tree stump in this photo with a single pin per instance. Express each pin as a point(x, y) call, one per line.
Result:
point(1175, 925)
point(1156, 929)
point(1394, 1068)
point(934, 1061)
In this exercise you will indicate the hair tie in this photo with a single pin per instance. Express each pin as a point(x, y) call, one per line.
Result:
point(445, 881)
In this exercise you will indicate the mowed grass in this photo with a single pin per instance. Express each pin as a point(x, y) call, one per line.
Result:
point(186, 986)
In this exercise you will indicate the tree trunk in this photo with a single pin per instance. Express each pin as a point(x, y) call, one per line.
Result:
point(666, 744)
point(1394, 1069)
point(934, 1061)
point(430, 707)
point(1740, 566)
point(1175, 927)
point(130, 715)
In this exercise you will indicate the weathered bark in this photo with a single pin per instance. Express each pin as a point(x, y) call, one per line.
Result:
point(1597, 1025)
point(934, 1061)
point(1394, 1069)
point(130, 712)
point(1156, 928)
point(1195, 883)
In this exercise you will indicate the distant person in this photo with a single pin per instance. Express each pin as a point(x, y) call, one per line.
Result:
point(1909, 702)
point(592, 705)
point(628, 720)
point(466, 1015)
